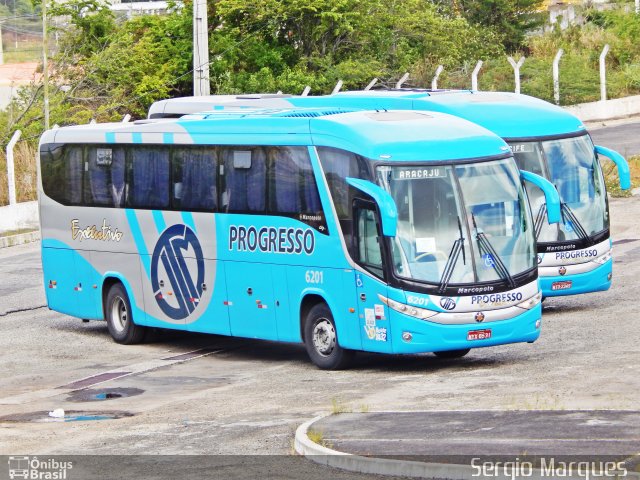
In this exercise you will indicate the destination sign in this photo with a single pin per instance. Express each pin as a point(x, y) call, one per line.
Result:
point(418, 173)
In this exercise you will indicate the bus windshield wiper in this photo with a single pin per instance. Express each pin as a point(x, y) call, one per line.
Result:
point(575, 223)
point(540, 219)
point(487, 249)
point(454, 255)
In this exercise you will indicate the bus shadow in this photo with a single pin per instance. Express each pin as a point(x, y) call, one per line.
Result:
point(269, 352)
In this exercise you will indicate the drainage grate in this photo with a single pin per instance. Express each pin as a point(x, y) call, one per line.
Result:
point(87, 382)
point(99, 395)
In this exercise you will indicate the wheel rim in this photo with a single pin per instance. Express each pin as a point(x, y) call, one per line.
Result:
point(119, 314)
point(324, 337)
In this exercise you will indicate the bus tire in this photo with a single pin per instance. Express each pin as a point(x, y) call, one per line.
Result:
point(452, 353)
point(321, 340)
point(120, 317)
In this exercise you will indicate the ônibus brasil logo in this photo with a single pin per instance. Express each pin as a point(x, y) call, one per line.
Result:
point(177, 259)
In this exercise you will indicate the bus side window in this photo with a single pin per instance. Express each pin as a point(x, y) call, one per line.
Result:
point(61, 171)
point(244, 179)
point(104, 179)
point(292, 184)
point(54, 172)
point(149, 178)
point(368, 244)
point(194, 179)
point(337, 165)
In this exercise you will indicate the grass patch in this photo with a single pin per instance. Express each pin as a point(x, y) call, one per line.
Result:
point(9, 233)
point(613, 181)
point(317, 436)
point(337, 406)
point(25, 173)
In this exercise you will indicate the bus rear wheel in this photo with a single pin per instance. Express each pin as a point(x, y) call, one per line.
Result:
point(119, 317)
point(321, 340)
point(452, 353)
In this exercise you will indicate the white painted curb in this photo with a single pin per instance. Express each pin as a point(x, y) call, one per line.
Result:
point(401, 468)
point(19, 239)
point(371, 465)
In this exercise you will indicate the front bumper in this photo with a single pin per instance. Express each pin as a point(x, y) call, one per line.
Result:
point(596, 280)
point(431, 337)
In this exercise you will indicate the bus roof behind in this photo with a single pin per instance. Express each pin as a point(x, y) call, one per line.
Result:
point(507, 114)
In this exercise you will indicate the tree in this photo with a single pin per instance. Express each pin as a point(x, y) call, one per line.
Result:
point(510, 19)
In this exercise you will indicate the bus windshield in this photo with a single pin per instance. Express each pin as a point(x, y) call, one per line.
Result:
point(460, 224)
point(571, 165)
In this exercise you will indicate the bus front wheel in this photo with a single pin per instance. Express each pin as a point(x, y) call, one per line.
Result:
point(120, 317)
point(321, 340)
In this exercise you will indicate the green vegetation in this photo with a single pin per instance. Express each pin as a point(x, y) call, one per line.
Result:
point(105, 66)
point(612, 180)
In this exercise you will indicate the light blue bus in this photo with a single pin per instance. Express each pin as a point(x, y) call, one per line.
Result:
point(574, 255)
point(391, 231)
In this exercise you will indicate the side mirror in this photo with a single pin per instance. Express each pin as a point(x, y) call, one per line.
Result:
point(386, 205)
point(550, 194)
point(621, 163)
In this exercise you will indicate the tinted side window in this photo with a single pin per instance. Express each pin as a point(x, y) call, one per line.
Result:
point(104, 183)
point(293, 187)
point(194, 178)
point(61, 170)
point(338, 165)
point(368, 252)
point(148, 177)
point(244, 171)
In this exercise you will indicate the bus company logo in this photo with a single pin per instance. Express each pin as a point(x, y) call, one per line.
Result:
point(539, 259)
point(33, 468)
point(479, 317)
point(562, 270)
point(177, 258)
point(447, 303)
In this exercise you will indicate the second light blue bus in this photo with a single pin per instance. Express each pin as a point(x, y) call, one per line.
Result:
point(574, 255)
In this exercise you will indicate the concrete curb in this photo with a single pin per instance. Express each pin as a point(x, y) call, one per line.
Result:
point(401, 468)
point(371, 465)
point(19, 239)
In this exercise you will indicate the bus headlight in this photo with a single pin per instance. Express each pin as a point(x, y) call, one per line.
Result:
point(532, 302)
point(410, 310)
point(602, 259)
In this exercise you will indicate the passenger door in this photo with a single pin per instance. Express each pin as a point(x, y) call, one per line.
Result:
point(368, 253)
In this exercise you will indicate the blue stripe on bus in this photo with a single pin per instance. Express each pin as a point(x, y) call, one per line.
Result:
point(136, 137)
point(167, 138)
point(161, 225)
point(187, 217)
point(139, 239)
point(110, 137)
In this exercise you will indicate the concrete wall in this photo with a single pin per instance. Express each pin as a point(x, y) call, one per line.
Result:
point(19, 216)
point(607, 110)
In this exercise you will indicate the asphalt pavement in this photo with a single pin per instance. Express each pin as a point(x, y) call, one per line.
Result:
point(624, 138)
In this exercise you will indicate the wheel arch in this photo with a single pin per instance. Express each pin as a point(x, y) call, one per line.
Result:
point(108, 280)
